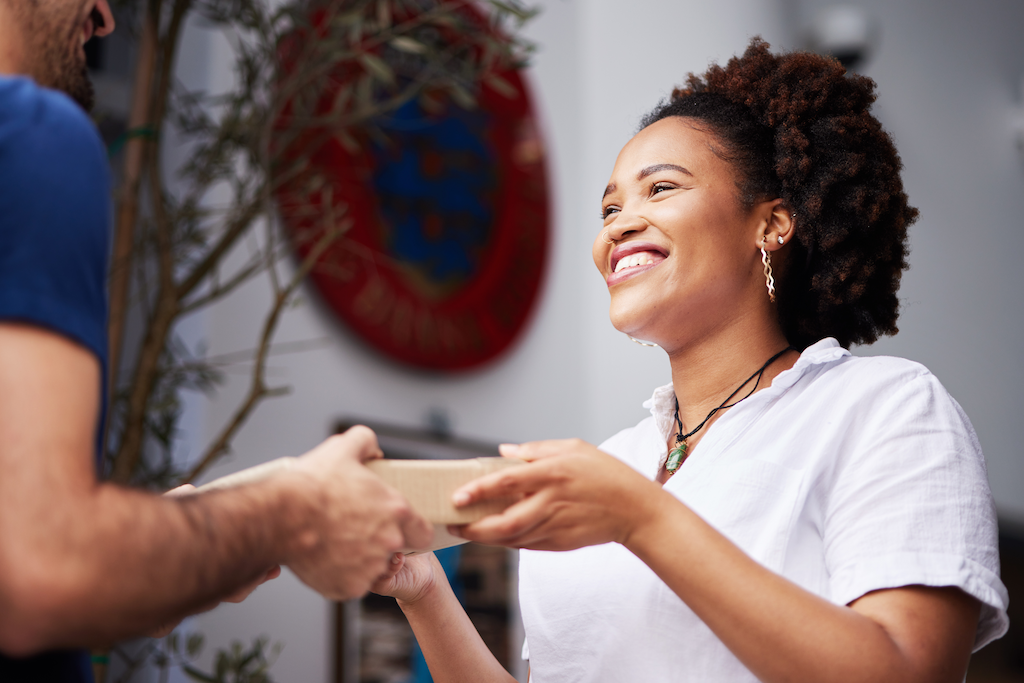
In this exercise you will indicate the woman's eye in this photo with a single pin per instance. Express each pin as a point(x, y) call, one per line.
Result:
point(608, 211)
point(661, 187)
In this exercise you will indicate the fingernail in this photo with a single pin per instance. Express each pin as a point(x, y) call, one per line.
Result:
point(508, 448)
point(460, 498)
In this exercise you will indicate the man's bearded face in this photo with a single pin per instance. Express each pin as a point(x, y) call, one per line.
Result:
point(54, 54)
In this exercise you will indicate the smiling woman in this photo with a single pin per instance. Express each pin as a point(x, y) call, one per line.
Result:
point(789, 512)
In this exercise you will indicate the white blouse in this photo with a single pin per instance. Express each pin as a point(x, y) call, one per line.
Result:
point(846, 475)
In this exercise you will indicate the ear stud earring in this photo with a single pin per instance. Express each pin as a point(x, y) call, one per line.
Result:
point(781, 241)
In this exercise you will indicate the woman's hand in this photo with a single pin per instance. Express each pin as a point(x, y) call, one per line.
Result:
point(451, 644)
point(574, 495)
point(409, 577)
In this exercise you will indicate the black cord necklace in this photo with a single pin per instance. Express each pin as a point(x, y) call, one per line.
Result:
point(678, 454)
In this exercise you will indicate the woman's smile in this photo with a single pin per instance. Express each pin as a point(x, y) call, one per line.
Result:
point(634, 258)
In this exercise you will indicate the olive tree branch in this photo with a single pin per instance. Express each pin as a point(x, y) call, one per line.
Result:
point(258, 390)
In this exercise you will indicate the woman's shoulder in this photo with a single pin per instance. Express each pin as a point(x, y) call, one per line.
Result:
point(873, 404)
point(828, 366)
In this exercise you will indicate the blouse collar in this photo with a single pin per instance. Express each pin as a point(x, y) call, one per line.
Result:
point(662, 403)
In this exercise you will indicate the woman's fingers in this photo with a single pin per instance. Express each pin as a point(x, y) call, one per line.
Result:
point(541, 471)
point(383, 583)
point(508, 527)
point(409, 578)
point(506, 483)
point(567, 491)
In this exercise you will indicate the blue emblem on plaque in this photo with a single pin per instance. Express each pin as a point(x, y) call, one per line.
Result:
point(436, 183)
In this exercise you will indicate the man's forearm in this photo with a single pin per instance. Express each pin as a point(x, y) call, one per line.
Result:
point(84, 563)
point(126, 560)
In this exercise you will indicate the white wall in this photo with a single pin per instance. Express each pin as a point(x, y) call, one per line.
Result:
point(947, 74)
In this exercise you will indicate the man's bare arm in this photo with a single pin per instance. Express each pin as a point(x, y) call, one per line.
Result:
point(87, 563)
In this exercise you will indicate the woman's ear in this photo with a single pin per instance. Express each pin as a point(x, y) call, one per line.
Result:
point(778, 226)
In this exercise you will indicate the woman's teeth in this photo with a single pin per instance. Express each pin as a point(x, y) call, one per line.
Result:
point(641, 258)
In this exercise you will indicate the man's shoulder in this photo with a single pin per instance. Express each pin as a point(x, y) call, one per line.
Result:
point(28, 107)
point(54, 174)
point(40, 128)
point(54, 214)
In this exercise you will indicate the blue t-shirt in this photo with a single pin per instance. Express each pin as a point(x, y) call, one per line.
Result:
point(54, 235)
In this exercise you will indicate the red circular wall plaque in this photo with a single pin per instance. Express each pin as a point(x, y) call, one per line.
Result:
point(442, 262)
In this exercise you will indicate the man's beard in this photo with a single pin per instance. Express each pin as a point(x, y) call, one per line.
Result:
point(73, 79)
point(56, 62)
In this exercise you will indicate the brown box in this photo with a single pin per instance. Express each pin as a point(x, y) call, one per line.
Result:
point(428, 485)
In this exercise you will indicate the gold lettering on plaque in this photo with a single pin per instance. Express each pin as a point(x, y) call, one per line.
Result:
point(401, 322)
point(375, 301)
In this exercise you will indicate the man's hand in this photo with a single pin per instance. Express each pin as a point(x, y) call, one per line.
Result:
point(357, 520)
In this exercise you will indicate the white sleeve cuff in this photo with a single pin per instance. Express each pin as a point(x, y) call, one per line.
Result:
point(928, 569)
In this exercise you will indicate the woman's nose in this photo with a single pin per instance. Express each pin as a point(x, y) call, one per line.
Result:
point(626, 223)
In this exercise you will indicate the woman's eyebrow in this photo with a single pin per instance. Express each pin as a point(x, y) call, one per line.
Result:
point(660, 167)
point(644, 172)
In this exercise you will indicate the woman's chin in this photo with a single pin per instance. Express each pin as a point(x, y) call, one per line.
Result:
point(629, 328)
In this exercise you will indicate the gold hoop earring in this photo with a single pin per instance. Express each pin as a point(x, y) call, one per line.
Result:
point(768, 277)
point(605, 237)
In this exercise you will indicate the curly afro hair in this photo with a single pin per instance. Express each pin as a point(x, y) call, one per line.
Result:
point(796, 126)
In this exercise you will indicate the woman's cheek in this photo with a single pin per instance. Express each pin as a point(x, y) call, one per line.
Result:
point(599, 251)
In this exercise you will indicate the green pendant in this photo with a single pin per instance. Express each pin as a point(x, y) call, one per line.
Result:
point(675, 458)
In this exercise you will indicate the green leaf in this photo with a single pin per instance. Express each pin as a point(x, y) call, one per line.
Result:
point(347, 18)
point(222, 665)
point(445, 20)
point(194, 644)
point(342, 98)
point(197, 675)
point(347, 141)
point(364, 93)
point(502, 86)
point(384, 14)
point(406, 44)
point(462, 97)
point(377, 67)
point(515, 9)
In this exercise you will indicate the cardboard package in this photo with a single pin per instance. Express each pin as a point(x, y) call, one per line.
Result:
point(428, 485)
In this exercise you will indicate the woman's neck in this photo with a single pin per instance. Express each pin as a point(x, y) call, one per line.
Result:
point(705, 372)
